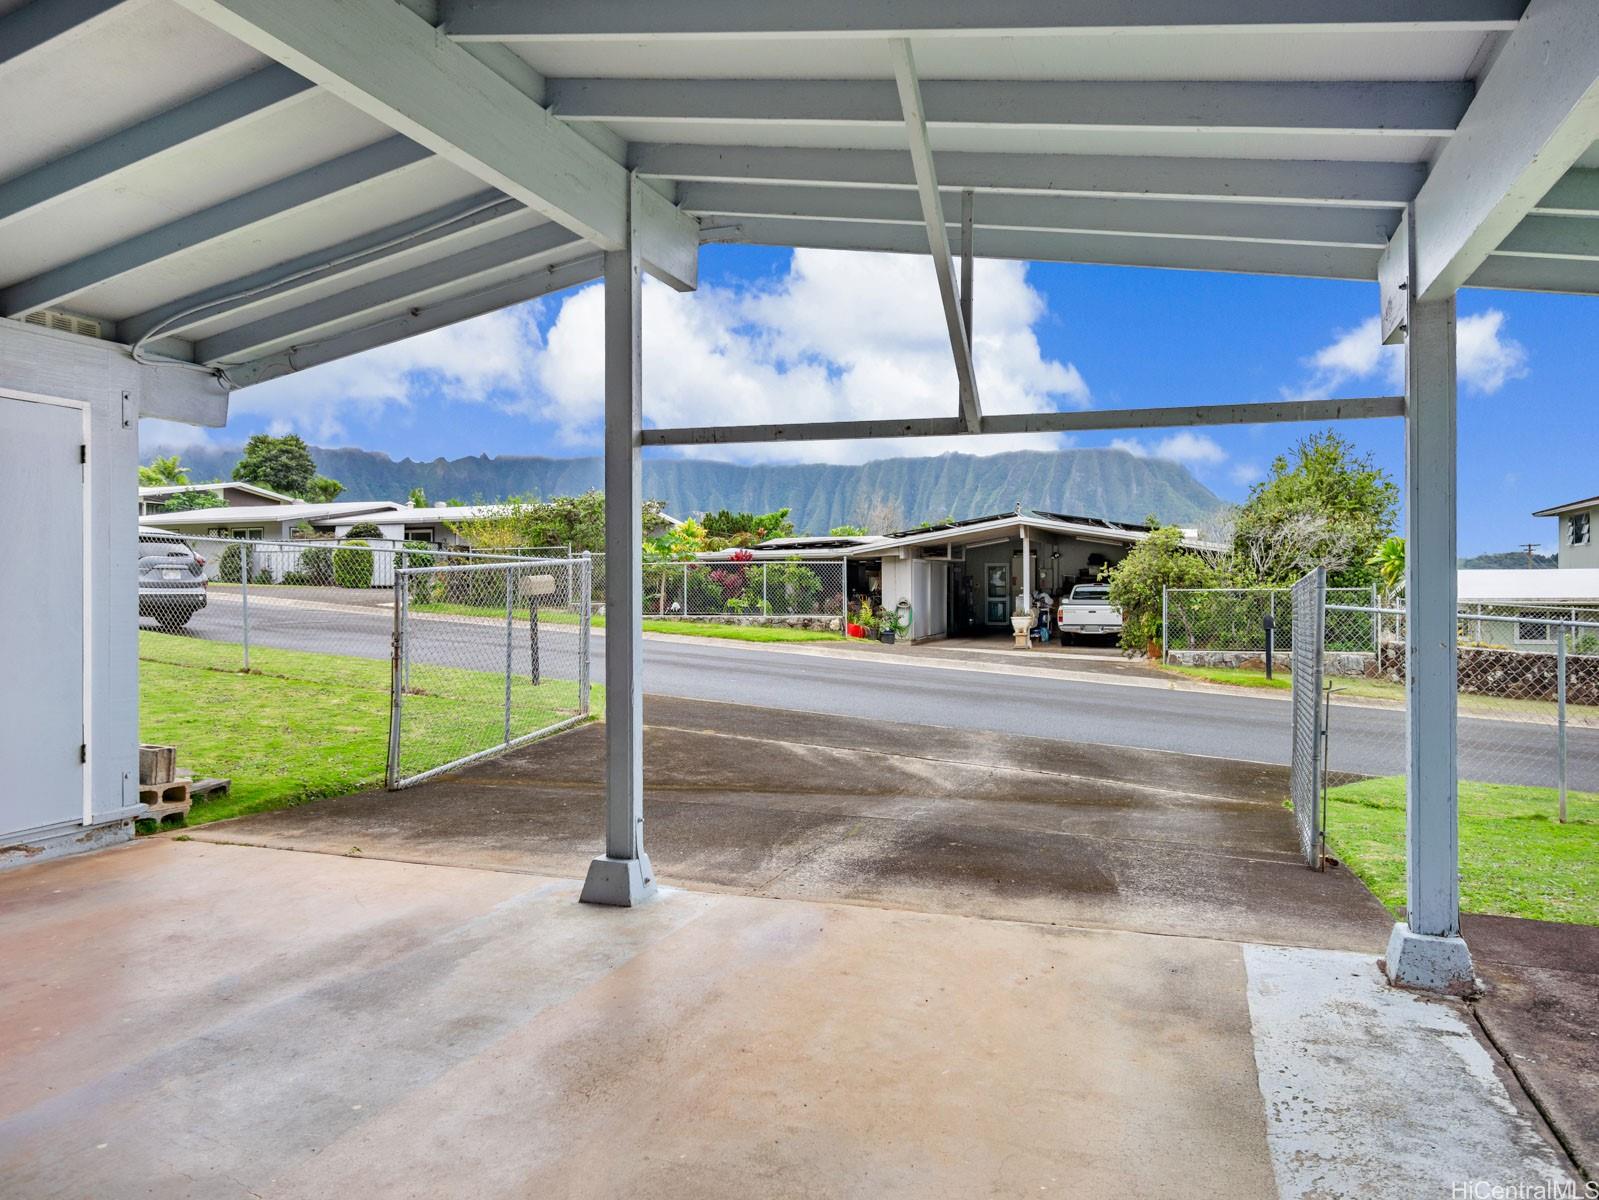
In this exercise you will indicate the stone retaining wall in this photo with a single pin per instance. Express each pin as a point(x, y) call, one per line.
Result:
point(1342, 663)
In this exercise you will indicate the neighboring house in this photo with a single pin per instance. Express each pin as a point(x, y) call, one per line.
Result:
point(274, 522)
point(966, 577)
point(1517, 608)
point(233, 494)
point(1576, 531)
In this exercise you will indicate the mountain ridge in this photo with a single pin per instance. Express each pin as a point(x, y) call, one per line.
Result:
point(1088, 482)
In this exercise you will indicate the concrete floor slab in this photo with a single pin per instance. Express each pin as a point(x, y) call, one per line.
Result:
point(1375, 1091)
point(208, 1020)
point(805, 805)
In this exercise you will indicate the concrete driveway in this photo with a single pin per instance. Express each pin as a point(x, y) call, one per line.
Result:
point(890, 961)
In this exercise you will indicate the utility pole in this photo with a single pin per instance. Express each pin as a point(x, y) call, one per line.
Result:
point(1529, 547)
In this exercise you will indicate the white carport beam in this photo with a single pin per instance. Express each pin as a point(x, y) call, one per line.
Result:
point(414, 285)
point(1384, 109)
point(1534, 116)
point(622, 875)
point(910, 99)
point(1083, 214)
point(244, 99)
point(389, 63)
point(646, 20)
point(1188, 416)
point(1425, 949)
point(1190, 254)
point(1306, 182)
point(44, 22)
point(311, 186)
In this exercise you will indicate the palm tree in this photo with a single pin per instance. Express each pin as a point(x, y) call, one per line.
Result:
point(1389, 563)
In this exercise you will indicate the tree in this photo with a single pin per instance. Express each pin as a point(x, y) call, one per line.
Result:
point(418, 498)
point(1323, 505)
point(283, 464)
point(882, 515)
point(841, 531)
point(1389, 563)
point(322, 490)
point(576, 521)
point(1138, 582)
point(163, 472)
point(193, 499)
point(726, 529)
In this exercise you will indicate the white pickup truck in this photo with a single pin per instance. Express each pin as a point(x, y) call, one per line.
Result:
point(1087, 611)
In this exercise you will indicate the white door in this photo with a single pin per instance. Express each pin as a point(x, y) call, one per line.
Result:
point(41, 614)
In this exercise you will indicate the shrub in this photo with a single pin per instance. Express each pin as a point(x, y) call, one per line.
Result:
point(317, 564)
point(229, 565)
point(352, 565)
point(418, 554)
point(366, 529)
point(297, 579)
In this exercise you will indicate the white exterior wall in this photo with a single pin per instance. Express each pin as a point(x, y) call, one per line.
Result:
point(1586, 555)
point(925, 584)
point(62, 366)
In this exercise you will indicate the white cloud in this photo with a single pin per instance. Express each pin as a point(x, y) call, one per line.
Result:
point(840, 336)
point(1244, 474)
point(486, 360)
point(1190, 449)
point(1485, 359)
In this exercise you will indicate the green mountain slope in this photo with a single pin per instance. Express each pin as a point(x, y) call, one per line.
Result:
point(1102, 483)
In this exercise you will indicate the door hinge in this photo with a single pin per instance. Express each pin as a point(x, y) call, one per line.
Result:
point(83, 453)
point(83, 752)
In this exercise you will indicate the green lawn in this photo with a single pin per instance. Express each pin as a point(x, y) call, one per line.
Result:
point(303, 726)
point(706, 629)
point(1516, 859)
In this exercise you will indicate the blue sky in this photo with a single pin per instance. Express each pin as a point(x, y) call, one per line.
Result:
point(773, 336)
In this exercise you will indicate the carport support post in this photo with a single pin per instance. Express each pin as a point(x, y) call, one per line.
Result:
point(1426, 950)
point(622, 876)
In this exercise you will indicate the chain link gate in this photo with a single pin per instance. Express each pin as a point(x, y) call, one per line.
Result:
point(1305, 773)
point(486, 657)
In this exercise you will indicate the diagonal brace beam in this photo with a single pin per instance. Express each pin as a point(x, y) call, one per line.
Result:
point(910, 100)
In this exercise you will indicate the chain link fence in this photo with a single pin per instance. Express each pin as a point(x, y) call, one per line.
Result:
point(793, 591)
point(1218, 627)
point(486, 657)
point(1527, 679)
point(1307, 776)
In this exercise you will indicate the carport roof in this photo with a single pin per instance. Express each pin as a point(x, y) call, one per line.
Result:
point(1012, 524)
point(264, 185)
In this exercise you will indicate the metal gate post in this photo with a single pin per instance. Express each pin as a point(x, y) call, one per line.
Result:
point(244, 596)
point(685, 611)
point(1560, 698)
point(396, 689)
point(510, 611)
point(585, 618)
point(1165, 644)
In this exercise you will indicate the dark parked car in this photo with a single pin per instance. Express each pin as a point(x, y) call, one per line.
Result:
point(171, 580)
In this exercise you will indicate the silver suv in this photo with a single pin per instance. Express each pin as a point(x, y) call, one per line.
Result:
point(171, 580)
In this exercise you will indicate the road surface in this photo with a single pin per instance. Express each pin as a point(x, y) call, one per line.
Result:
point(1363, 739)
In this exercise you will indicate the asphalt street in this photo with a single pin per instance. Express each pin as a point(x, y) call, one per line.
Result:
point(1363, 739)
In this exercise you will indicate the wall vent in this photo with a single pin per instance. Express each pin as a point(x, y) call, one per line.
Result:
point(64, 322)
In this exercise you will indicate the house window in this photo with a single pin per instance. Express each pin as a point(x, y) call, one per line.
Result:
point(1530, 627)
point(1580, 528)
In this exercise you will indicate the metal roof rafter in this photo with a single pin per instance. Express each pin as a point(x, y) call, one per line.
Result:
point(389, 63)
point(921, 151)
